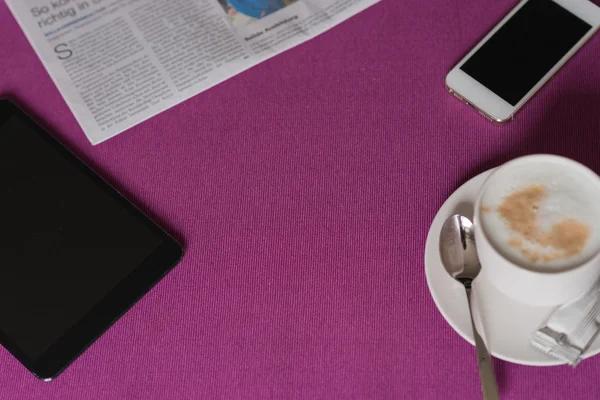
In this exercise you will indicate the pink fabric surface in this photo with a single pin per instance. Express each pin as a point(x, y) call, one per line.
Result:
point(303, 190)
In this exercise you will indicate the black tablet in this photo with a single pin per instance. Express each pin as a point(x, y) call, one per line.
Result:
point(74, 253)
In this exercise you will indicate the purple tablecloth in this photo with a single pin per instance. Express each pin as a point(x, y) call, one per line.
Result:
point(303, 191)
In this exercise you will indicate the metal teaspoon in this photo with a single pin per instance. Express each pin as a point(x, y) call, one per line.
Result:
point(459, 257)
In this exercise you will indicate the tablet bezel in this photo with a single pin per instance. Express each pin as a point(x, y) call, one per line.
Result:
point(118, 300)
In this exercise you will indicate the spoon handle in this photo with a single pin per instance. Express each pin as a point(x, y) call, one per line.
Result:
point(489, 388)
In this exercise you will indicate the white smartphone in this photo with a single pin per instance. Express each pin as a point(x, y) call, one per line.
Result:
point(518, 56)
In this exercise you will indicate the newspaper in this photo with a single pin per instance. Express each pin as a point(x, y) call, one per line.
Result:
point(119, 62)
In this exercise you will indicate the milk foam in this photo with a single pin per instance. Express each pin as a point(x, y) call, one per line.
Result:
point(570, 194)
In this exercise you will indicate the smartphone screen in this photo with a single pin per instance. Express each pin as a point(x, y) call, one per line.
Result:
point(525, 49)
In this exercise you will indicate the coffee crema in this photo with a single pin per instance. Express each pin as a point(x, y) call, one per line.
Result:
point(564, 239)
point(542, 216)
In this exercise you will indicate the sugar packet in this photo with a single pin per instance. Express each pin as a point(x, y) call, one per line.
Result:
point(571, 328)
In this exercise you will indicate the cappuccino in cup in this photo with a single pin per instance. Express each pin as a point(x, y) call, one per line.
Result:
point(538, 229)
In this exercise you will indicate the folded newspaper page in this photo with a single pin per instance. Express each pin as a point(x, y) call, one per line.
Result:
point(119, 62)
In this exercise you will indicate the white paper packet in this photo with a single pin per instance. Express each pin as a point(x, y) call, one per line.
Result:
point(571, 328)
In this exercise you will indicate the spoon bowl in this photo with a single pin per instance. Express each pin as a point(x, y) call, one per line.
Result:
point(457, 249)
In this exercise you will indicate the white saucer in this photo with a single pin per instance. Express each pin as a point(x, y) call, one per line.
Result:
point(505, 324)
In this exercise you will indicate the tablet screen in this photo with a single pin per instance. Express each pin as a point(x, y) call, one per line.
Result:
point(65, 240)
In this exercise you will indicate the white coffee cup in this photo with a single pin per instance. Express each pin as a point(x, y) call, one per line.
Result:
point(540, 285)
